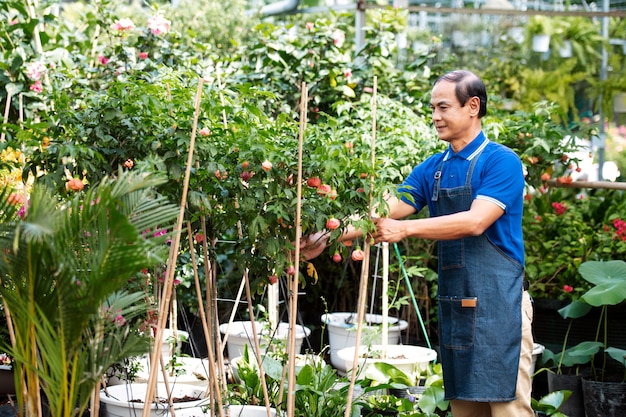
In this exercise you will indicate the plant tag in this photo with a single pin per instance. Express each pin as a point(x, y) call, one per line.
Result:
point(468, 302)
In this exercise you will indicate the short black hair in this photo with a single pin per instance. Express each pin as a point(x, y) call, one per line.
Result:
point(468, 85)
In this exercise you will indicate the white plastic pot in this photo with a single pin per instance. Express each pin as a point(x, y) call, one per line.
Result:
point(240, 334)
point(235, 411)
point(408, 358)
point(127, 400)
point(342, 333)
point(537, 351)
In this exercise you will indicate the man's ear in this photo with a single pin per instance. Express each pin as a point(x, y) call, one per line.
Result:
point(474, 105)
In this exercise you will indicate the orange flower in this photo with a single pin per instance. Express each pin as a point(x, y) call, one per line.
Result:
point(16, 199)
point(74, 185)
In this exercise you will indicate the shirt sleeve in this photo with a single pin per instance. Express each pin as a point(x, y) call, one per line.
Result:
point(503, 179)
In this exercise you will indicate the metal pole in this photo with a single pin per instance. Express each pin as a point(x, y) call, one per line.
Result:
point(359, 40)
point(603, 70)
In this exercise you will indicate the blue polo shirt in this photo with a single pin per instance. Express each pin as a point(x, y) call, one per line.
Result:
point(498, 177)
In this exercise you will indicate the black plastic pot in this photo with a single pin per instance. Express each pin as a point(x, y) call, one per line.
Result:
point(574, 406)
point(604, 399)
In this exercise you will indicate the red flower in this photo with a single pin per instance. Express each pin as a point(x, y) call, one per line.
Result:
point(559, 208)
point(568, 288)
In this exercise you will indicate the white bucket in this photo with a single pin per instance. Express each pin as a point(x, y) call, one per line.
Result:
point(127, 400)
point(408, 358)
point(342, 332)
point(240, 334)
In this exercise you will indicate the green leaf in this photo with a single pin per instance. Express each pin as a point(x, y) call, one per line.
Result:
point(617, 354)
point(609, 279)
point(575, 310)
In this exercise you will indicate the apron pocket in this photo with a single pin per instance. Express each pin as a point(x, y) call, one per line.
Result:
point(457, 321)
point(452, 254)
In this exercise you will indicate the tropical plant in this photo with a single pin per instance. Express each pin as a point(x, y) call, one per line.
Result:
point(430, 402)
point(609, 288)
point(64, 269)
point(549, 404)
point(319, 392)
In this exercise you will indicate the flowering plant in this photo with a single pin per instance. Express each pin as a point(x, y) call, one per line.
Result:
point(563, 229)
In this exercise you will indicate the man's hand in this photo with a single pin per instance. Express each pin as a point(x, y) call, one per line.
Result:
point(388, 230)
point(311, 246)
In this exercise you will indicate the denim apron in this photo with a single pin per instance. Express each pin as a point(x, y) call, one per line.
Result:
point(480, 296)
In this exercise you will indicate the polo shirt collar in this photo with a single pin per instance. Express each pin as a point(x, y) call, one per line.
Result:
point(471, 150)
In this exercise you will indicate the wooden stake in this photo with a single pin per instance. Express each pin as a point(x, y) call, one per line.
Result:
point(293, 279)
point(365, 265)
point(7, 107)
point(171, 266)
point(217, 394)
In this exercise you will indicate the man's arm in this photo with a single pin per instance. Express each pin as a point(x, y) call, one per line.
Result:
point(472, 222)
point(312, 246)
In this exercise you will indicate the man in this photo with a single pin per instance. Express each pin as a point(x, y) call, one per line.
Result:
point(474, 193)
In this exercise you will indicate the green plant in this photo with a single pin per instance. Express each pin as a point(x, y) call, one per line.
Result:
point(563, 229)
point(609, 288)
point(430, 402)
point(64, 268)
point(549, 404)
point(608, 280)
point(319, 391)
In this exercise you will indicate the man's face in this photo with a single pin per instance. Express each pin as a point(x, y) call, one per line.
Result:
point(450, 119)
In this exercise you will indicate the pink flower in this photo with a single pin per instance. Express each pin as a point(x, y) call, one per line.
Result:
point(158, 25)
point(310, 25)
point(123, 25)
point(35, 70)
point(14, 22)
point(568, 288)
point(103, 59)
point(36, 87)
point(339, 38)
point(347, 73)
point(143, 55)
point(119, 320)
point(160, 232)
point(205, 131)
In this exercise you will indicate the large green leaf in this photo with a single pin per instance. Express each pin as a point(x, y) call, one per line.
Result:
point(575, 309)
point(609, 279)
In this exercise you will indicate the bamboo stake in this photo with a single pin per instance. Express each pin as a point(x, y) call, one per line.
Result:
point(169, 277)
point(365, 265)
point(293, 279)
point(7, 107)
point(385, 303)
point(217, 395)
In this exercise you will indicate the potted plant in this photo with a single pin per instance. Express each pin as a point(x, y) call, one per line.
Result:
point(64, 271)
point(550, 404)
point(7, 377)
point(424, 387)
point(605, 389)
point(319, 391)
